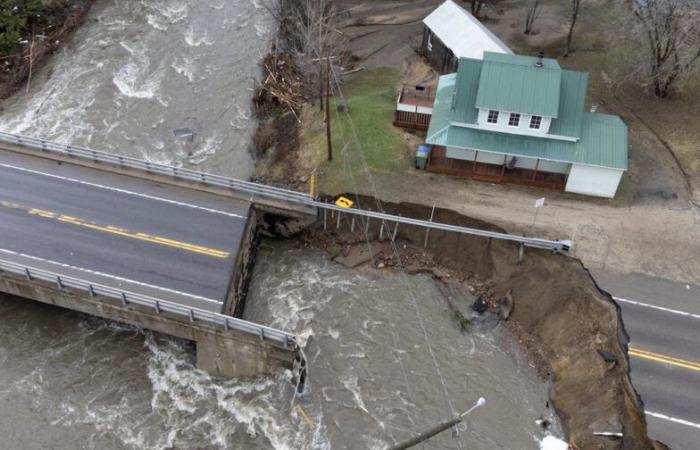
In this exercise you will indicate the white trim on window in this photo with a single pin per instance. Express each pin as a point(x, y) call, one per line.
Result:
point(514, 120)
point(492, 116)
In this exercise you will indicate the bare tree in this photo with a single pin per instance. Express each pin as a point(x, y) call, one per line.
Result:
point(575, 4)
point(532, 12)
point(672, 32)
point(306, 25)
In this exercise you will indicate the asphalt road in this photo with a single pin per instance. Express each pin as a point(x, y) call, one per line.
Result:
point(663, 320)
point(171, 243)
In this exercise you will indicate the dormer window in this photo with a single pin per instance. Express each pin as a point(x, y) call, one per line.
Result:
point(514, 120)
point(536, 122)
point(493, 116)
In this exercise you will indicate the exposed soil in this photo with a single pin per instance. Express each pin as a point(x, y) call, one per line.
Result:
point(61, 18)
point(571, 329)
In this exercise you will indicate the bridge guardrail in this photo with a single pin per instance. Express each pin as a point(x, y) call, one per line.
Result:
point(156, 168)
point(263, 332)
point(558, 246)
point(264, 190)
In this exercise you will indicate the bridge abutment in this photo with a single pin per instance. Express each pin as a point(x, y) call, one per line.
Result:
point(221, 351)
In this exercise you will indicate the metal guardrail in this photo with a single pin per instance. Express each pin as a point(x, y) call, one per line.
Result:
point(280, 194)
point(280, 338)
point(74, 151)
point(558, 246)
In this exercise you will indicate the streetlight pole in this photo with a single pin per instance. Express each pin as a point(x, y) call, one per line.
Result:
point(439, 428)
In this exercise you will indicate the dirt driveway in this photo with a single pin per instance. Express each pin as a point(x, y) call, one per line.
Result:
point(652, 227)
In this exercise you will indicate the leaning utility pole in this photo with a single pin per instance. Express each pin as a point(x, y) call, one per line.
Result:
point(436, 429)
point(328, 110)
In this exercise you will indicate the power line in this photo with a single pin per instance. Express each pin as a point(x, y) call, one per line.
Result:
point(402, 274)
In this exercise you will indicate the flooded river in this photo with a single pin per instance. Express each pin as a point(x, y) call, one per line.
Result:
point(73, 381)
point(386, 357)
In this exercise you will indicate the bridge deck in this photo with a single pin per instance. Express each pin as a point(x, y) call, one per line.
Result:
point(167, 242)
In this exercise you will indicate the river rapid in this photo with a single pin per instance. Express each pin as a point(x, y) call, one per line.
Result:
point(386, 357)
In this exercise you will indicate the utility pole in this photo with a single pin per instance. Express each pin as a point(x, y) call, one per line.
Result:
point(436, 429)
point(328, 110)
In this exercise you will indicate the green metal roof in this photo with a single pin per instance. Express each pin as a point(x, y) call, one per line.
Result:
point(468, 73)
point(572, 103)
point(513, 83)
point(603, 138)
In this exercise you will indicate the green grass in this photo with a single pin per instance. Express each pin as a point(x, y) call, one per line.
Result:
point(362, 136)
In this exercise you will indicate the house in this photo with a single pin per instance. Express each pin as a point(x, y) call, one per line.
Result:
point(522, 120)
point(451, 33)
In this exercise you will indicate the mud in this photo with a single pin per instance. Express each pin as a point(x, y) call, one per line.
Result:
point(571, 329)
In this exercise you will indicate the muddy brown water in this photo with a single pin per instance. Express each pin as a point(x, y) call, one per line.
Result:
point(131, 75)
point(73, 381)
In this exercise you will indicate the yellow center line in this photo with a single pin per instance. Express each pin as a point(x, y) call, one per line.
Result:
point(678, 362)
point(119, 231)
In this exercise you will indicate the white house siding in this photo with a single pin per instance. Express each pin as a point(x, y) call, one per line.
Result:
point(596, 181)
point(490, 158)
point(522, 128)
point(554, 167)
point(460, 153)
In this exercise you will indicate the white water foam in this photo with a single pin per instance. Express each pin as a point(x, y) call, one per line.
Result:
point(135, 79)
point(195, 41)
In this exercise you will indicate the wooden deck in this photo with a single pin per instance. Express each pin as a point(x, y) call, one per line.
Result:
point(438, 162)
point(414, 98)
point(414, 120)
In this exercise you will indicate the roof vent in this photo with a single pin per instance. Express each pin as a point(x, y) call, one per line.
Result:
point(539, 60)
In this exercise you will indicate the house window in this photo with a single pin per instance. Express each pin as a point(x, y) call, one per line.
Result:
point(493, 117)
point(514, 120)
point(536, 122)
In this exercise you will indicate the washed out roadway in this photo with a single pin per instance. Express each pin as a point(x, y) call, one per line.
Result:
point(167, 242)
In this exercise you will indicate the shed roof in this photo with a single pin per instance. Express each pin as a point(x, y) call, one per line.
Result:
point(603, 138)
point(513, 83)
point(463, 33)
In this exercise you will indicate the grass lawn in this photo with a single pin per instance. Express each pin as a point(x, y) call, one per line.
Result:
point(363, 135)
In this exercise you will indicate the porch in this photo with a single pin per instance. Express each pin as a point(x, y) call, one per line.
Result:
point(438, 162)
point(414, 107)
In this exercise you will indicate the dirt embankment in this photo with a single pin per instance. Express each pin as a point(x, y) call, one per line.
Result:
point(572, 330)
point(59, 20)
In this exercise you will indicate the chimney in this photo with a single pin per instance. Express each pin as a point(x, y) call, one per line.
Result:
point(539, 60)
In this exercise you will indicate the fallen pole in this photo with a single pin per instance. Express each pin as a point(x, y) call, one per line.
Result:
point(439, 428)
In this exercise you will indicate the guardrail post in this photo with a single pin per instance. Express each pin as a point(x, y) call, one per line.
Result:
point(28, 274)
point(393, 236)
point(381, 230)
point(121, 160)
point(427, 229)
point(521, 252)
point(226, 324)
point(157, 306)
point(124, 302)
point(94, 156)
point(325, 218)
point(148, 167)
point(191, 314)
point(59, 283)
point(337, 224)
point(91, 290)
point(262, 333)
point(367, 225)
point(352, 224)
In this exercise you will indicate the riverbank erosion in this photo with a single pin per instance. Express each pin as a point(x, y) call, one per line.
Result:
point(32, 32)
point(571, 329)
